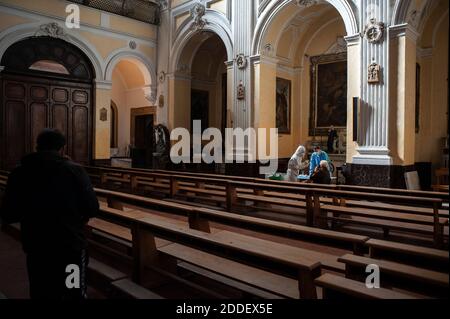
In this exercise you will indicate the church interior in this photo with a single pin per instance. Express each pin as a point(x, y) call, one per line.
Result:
point(355, 89)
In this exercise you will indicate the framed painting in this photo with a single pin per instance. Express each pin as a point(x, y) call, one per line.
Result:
point(328, 93)
point(283, 106)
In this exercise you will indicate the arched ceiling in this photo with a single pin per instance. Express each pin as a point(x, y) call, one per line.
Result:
point(131, 74)
point(293, 31)
point(209, 57)
point(437, 15)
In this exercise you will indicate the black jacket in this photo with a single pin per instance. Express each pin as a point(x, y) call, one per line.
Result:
point(52, 198)
point(322, 176)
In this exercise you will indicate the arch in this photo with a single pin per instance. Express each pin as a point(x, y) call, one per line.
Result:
point(146, 66)
point(217, 24)
point(344, 8)
point(17, 33)
point(24, 54)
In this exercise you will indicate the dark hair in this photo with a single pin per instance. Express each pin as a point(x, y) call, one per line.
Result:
point(50, 140)
point(317, 147)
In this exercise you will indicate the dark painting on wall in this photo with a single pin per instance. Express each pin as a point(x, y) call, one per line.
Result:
point(283, 106)
point(200, 107)
point(328, 93)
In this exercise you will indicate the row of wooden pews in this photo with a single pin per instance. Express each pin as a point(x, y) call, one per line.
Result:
point(323, 206)
point(162, 247)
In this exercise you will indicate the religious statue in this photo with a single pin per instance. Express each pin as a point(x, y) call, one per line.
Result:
point(161, 147)
point(241, 91)
point(332, 135)
point(374, 73)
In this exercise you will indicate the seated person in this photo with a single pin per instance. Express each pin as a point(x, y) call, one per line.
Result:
point(321, 174)
point(316, 158)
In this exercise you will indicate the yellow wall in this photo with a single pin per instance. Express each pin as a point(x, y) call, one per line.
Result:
point(433, 96)
point(105, 44)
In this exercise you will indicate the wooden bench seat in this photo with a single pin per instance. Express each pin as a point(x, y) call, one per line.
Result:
point(444, 213)
point(384, 215)
point(273, 201)
point(286, 229)
point(335, 287)
point(413, 278)
point(433, 258)
point(295, 262)
point(387, 225)
point(271, 283)
point(126, 288)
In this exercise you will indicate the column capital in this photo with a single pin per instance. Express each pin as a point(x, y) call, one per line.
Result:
point(403, 30)
point(1, 68)
point(352, 40)
point(103, 85)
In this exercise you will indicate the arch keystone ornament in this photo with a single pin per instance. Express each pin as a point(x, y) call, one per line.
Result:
point(306, 3)
point(374, 31)
point(53, 30)
point(198, 12)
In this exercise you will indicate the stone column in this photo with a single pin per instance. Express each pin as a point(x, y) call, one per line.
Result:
point(243, 23)
point(373, 143)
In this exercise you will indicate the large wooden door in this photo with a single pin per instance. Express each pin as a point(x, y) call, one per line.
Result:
point(46, 83)
point(31, 104)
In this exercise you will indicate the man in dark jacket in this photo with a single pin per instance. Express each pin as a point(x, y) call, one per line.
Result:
point(53, 199)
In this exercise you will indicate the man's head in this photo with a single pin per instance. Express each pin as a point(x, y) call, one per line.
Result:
point(317, 149)
point(50, 140)
point(324, 165)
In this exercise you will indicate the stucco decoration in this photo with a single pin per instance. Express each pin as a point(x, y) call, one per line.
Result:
point(241, 91)
point(51, 30)
point(373, 74)
point(162, 77)
point(306, 3)
point(132, 45)
point(241, 61)
point(374, 31)
point(198, 12)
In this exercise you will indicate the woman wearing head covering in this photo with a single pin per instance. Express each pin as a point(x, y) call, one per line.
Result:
point(296, 164)
point(321, 174)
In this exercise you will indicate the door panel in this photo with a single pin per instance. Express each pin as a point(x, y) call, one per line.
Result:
point(31, 104)
point(80, 152)
point(15, 131)
point(38, 121)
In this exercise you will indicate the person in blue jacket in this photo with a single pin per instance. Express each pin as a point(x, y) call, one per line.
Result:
point(316, 158)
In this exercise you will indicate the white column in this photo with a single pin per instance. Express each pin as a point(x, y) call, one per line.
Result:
point(373, 132)
point(242, 21)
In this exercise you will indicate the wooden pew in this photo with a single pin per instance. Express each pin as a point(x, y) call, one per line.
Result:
point(421, 280)
point(337, 287)
point(425, 257)
point(296, 263)
point(199, 219)
point(365, 189)
point(385, 220)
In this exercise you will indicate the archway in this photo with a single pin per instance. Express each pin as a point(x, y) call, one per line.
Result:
point(304, 56)
point(200, 82)
point(47, 83)
point(132, 93)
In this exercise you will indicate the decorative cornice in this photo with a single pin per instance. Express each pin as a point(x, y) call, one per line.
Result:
point(103, 85)
point(424, 52)
point(403, 30)
point(352, 40)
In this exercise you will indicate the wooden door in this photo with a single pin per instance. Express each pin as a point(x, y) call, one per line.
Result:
point(31, 104)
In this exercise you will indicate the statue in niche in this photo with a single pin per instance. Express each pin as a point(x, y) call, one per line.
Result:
point(241, 91)
point(374, 73)
point(161, 147)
